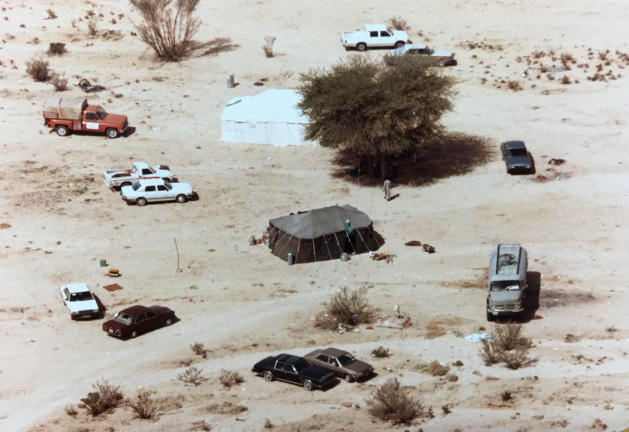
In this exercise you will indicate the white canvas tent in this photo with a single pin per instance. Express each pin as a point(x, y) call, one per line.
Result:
point(272, 117)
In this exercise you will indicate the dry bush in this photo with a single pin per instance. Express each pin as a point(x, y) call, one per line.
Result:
point(268, 46)
point(105, 397)
point(437, 369)
point(268, 424)
point(198, 349)
point(144, 406)
point(167, 28)
point(351, 307)
point(92, 23)
point(60, 83)
point(392, 403)
point(192, 375)
point(380, 352)
point(514, 85)
point(38, 69)
point(566, 60)
point(451, 377)
point(230, 378)
point(51, 14)
point(508, 346)
point(57, 48)
point(398, 23)
point(226, 408)
point(70, 410)
point(506, 396)
point(565, 80)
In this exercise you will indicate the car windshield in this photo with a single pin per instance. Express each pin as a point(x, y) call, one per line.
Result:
point(101, 113)
point(504, 285)
point(346, 359)
point(136, 186)
point(168, 185)
point(517, 152)
point(123, 318)
point(302, 365)
point(81, 296)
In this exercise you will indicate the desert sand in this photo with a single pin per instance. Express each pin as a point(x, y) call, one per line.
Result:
point(242, 303)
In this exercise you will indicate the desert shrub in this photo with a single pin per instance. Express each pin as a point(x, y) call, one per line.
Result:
point(230, 378)
point(507, 346)
point(92, 23)
point(566, 60)
point(105, 397)
point(168, 29)
point(437, 369)
point(70, 410)
point(192, 375)
point(506, 396)
point(514, 85)
point(351, 306)
point(144, 406)
point(57, 48)
point(398, 23)
point(38, 69)
point(393, 403)
point(446, 409)
point(60, 83)
point(451, 377)
point(198, 349)
point(268, 46)
point(565, 80)
point(380, 352)
point(268, 424)
point(51, 14)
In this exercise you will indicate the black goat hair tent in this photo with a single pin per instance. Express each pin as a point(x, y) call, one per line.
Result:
point(322, 234)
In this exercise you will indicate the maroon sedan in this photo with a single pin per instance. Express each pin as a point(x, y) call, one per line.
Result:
point(138, 319)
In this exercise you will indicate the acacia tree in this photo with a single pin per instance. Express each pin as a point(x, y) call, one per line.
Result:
point(168, 29)
point(372, 110)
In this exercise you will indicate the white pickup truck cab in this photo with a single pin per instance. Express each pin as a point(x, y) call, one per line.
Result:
point(374, 36)
point(117, 178)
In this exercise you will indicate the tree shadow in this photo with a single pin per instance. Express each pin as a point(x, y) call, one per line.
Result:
point(212, 47)
point(448, 155)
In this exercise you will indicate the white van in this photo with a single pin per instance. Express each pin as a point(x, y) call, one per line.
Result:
point(507, 280)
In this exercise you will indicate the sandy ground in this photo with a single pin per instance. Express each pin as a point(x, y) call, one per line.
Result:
point(58, 221)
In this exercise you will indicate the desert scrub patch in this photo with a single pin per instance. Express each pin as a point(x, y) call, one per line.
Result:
point(391, 402)
point(398, 23)
point(198, 349)
point(144, 406)
point(380, 352)
point(192, 375)
point(268, 46)
point(38, 69)
point(230, 378)
point(507, 346)
point(104, 398)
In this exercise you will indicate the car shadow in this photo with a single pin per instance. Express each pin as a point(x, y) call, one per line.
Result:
point(101, 307)
point(130, 131)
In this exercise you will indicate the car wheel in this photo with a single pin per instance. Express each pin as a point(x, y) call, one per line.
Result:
point(169, 321)
point(308, 385)
point(181, 198)
point(361, 47)
point(399, 44)
point(62, 130)
point(140, 201)
point(490, 317)
point(268, 375)
point(349, 378)
point(112, 133)
point(133, 334)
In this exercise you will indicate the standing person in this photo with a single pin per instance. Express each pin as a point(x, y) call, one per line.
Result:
point(387, 190)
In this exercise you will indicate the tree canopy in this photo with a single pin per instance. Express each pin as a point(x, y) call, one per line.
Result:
point(373, 110)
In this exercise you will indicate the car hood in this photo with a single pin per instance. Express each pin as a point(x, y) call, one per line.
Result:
point(181, 187)
point(358, 366)
point(84, 305)
point(115, 118)
point(316, 373)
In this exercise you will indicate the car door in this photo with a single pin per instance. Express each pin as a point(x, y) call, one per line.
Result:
point(280, 370)
point(151, 321)
point(162, 194)
point(335, 365)
point(150, 193)
point(385, 39)
point(91, 122)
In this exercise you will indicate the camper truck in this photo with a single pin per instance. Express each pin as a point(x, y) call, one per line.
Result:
point(507, 280)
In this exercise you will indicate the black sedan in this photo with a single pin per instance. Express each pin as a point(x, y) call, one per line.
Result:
point(516, 157)
point(134, 320)
point(294, 369)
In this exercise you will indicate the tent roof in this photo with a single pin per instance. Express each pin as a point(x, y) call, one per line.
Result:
point(271, 106)
point(316, 223)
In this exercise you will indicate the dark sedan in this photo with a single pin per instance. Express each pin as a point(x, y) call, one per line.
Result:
point(132, 321)
point(516, 157)
point(294, 369)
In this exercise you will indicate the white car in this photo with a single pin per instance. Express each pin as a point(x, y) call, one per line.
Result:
point(156, 190)
point(80, 300)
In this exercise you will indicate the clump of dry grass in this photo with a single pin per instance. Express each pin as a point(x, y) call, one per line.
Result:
point(57, 48)
point(437, 369)
point(60, 83)
point(514, 85)
point(565, 80)
point(192, 375)
point(143, 405)
point(380, 352)
point(393, 403)
point(38, 69)
point(268, 46)
point(51, 14)
point(398, 23)
point(198, 349)
point(507, 346)
point(351, 307)
point(230, 378)
point(105, 397)
point(92, 24)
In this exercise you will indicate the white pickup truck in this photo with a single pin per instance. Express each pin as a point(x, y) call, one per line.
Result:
point(374, 36)
point(118, 178)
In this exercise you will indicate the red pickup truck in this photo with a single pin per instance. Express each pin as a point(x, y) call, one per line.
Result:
point(65, 114)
